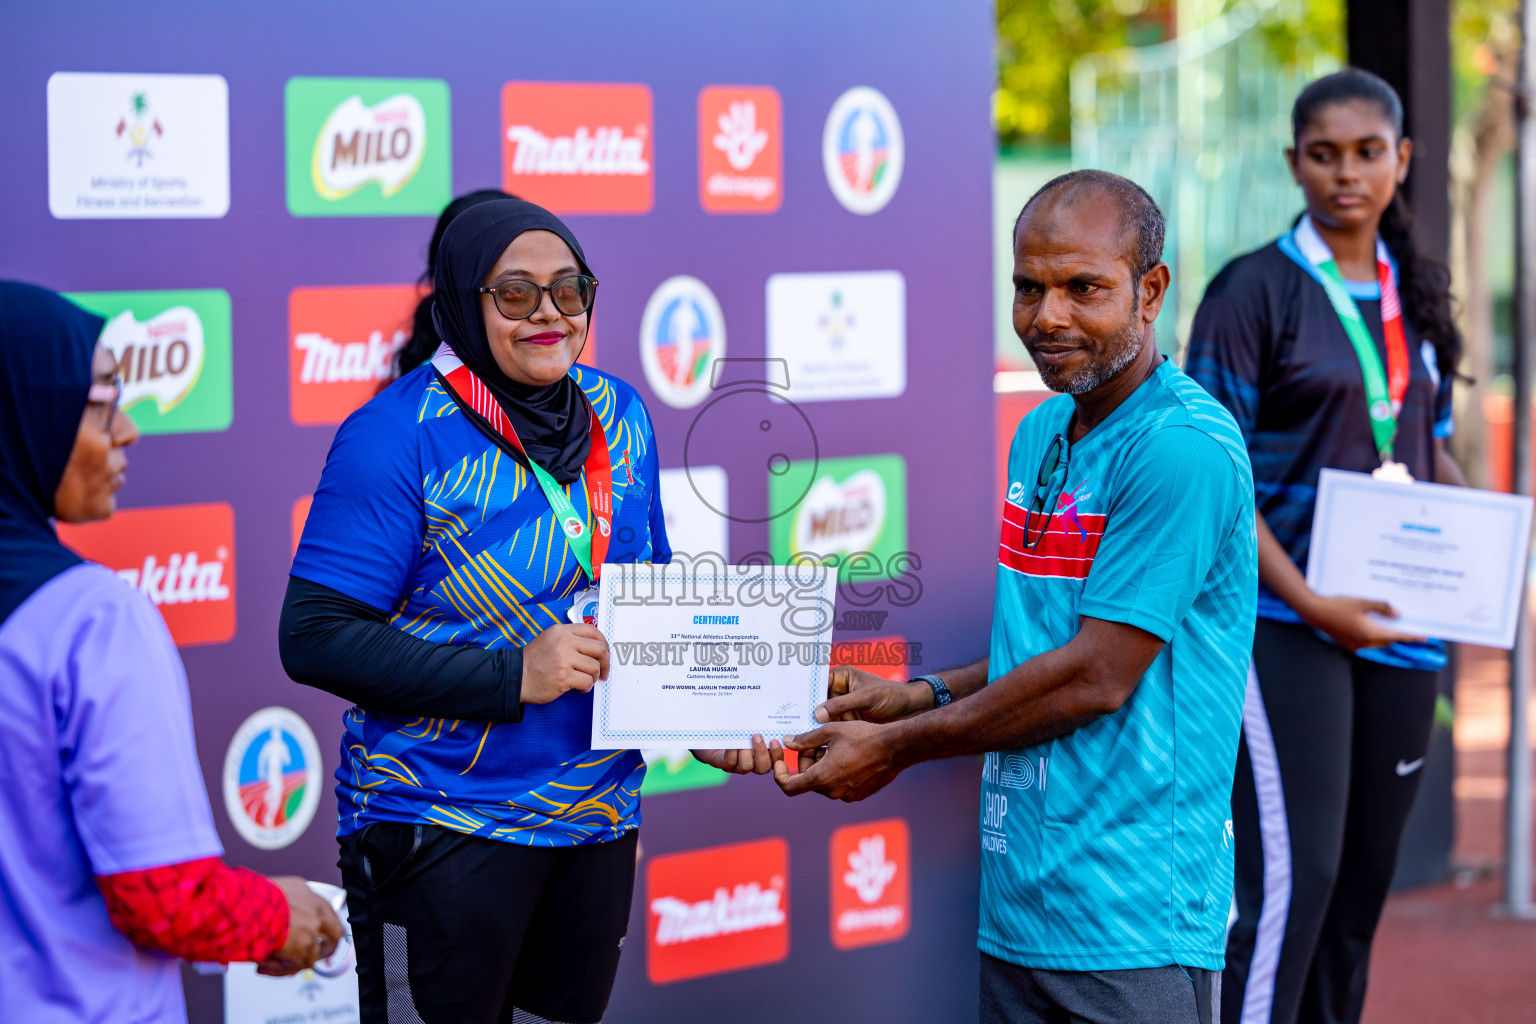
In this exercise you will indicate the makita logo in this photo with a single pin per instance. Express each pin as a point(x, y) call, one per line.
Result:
point(330, 362)
point(181, 580)
point(193, 585)
point(578, 147)
point(342, 345)
point(605, 151)
point(715, 910)
point(747, 908)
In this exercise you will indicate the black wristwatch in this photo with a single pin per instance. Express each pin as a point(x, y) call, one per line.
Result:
point(941, 694)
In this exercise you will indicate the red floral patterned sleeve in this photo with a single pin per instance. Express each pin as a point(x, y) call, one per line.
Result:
point(199, 910)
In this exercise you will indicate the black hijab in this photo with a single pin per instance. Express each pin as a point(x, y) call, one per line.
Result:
point(551, 421)
point(46, 345)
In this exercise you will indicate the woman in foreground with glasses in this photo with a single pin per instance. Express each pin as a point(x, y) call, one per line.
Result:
point(443, 584)
point(109, 859)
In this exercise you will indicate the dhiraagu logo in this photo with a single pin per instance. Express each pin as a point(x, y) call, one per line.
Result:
point(173, 348)
point(849, 506)
point(368, 146)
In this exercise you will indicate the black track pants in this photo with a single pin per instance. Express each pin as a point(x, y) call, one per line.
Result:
point(454, 929)
point(1332, 753)
point(1140, 995)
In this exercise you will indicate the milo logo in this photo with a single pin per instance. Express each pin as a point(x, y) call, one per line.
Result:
point(173, 351)
point(359, 144)
point(160, 358)
point(367, 146)
point(845, 506)
point(841, 516)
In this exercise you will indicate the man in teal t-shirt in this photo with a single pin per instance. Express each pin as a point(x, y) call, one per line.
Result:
point(1110, 705)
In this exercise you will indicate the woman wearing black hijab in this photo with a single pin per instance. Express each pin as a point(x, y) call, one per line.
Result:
point(488, 854)
point(110, 860)
point(418, 348)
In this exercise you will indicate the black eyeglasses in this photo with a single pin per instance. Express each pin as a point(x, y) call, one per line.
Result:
point(107, 396)
point(1055, 458)
point(517, 299)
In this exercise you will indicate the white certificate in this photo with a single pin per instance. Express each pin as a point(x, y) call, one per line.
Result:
point(704, 655)
point(1450, 560)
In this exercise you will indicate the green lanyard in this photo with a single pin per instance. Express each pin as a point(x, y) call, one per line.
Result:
point(590, 551)
point(570, 521)
point(1383, 396)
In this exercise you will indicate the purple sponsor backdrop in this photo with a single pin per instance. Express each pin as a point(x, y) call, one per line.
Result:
point(933, 60)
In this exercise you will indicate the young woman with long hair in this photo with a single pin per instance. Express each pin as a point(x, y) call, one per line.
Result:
point(1333, 347)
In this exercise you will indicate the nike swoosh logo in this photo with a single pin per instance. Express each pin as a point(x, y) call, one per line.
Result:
point(1409, 767)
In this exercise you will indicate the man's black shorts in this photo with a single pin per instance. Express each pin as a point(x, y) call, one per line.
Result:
point(454, 929)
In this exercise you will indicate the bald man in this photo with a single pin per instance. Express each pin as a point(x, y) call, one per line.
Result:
point(1109, 707)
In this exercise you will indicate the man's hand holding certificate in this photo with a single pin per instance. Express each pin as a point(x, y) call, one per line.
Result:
point(708, 656)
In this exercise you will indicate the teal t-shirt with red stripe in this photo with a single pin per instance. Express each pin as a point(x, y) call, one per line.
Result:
point(1110, 847)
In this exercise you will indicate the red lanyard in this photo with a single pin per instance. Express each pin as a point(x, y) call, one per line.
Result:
point(1392, 334)
point(1384, 398)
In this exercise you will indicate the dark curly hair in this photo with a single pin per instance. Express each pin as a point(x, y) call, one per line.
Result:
point(1424, 283)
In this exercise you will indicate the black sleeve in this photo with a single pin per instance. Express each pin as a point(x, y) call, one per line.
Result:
point(343, 646)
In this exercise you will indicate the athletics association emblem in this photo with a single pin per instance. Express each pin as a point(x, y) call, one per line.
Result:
point(862, 151)
point(681, 335)
point(272, 778)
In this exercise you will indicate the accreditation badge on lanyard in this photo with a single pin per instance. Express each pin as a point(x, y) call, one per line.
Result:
point(588, 544)
point(1384, 391)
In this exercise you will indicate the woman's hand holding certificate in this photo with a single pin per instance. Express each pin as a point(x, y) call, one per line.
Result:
point(754, 760)
point(1451, 561)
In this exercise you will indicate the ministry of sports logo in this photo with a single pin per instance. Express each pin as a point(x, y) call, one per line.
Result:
point(841, 334)
point(139, 126)
point(272, 778)
point(862, 150)
point(137, 145)
point(681, 335)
